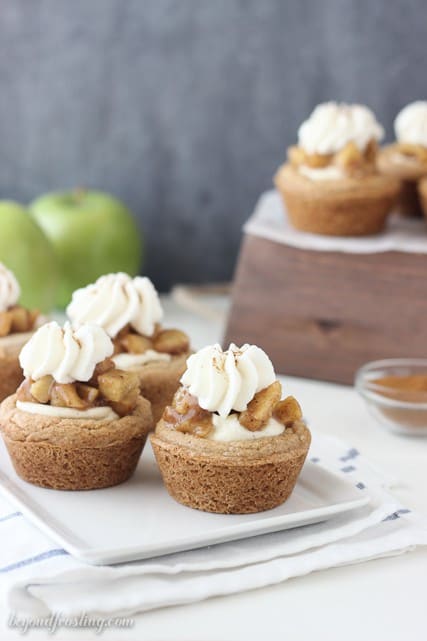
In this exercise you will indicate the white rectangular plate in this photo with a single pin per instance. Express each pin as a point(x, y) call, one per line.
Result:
point(139, 520)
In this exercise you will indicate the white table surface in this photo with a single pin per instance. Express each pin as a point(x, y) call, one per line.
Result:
point(383, 600)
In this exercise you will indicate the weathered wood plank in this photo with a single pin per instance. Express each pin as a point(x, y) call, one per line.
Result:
point(323, 314)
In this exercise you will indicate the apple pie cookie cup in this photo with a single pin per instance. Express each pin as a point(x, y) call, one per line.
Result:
point(235, 477)
point(74, 454)
point(342, 207)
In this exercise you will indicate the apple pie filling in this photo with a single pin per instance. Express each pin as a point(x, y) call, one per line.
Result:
point(17, 319)
point(350, 161)
point(133, 350)
point(185, 414)
point(412, 151)
point(163, 341)
point(108, 386)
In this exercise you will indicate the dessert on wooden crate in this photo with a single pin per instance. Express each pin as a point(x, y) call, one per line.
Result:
point(330, 184)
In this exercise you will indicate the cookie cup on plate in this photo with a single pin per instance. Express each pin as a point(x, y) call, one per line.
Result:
point(74, 454)
point(347, 206)
point(234, 477)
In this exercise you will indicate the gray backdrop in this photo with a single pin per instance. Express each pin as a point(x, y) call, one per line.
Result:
point(184, 108)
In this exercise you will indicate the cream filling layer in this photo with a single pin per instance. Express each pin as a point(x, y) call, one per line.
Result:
point(104, 413)
point(229, 429)
point(321, 173)
point(133, 361)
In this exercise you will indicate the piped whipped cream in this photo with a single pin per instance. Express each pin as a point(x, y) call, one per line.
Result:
point(332, 125)
point(116, 300)
point(129, 362)
point(410, 125)
point(9, 289)
point(223, 381)
point(229, 429)
point(65, 354)
point(332, 172)
point(102, 413)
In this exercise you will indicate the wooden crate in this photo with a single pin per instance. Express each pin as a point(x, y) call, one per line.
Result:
point(323, 314)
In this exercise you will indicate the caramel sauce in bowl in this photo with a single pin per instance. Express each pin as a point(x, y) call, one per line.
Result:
point(395, 391)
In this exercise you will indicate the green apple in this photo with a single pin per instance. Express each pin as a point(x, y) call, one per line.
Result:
point(92, 233)
point(26, 251)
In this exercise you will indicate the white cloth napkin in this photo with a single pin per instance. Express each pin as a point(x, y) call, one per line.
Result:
point(41, 579)
point(270, 221)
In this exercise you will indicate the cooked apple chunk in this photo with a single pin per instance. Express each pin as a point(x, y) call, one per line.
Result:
point(87, 392)
point(115, 385)
point(104, 366)
point(5, 323)
point(417, 151)
point(21, 320)
point(127, 404)
point(318, 161)
point(185, 415)
point(288, 411)
point(261, 407)
point(171, 341)
point(200, 428)
point(349, 156)
point(183, 401)
point(296, 156)
point(65, 395)
point(136, 344)
point(40, 389)
point(23, 393)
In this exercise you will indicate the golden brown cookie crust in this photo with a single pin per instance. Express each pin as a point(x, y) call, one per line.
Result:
point(74, 454)
point(159, 381)
point(346, 207)
point(234, 477)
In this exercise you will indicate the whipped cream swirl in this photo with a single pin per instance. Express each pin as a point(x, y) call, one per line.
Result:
point(9, 289)
point(410, 125)
point(331, 126)
point(115, 300)
point(223, 381)
point(65, 354)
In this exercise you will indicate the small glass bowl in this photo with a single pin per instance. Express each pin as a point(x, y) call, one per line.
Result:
point(401, 411)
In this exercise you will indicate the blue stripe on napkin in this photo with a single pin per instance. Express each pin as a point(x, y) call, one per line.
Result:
point(10, 516)
point(33, 559)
